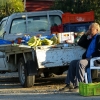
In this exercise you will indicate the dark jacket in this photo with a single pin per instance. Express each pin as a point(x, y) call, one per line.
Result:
point(84, 42)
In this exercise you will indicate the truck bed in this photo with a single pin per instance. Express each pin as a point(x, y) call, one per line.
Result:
point(48, 56)
point(14, 48)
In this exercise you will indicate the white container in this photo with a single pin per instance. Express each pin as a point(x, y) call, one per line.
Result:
point(69, 36)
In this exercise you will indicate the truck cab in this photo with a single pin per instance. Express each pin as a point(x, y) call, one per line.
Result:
point(32, 23)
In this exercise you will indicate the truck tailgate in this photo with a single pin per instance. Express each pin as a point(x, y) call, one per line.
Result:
point(60, 56)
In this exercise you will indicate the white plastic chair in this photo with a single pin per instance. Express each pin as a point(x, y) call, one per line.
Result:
point(88, 78)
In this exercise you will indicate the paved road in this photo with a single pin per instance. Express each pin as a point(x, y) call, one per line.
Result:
point(45, 96)
point(44, 89)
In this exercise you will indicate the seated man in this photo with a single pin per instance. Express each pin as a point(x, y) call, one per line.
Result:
point(91, 41)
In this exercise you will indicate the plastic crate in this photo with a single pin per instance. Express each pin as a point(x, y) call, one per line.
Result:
point(4, 42)
point(83, 27)
point(91, 89)
point(57, 29)
point(77, 18)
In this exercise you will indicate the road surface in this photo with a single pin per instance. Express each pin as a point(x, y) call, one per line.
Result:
point(44, 89)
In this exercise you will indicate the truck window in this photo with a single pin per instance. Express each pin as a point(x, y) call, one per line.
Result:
point(18, 26)
point(37, 23)
point(2, 25)
point(34, 24)
point(55, 20)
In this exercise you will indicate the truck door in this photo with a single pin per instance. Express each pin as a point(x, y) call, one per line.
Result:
point(2, 55)
point(2, 64)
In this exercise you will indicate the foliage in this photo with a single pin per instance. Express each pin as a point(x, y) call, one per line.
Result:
point(78, 6)
point(8, 7)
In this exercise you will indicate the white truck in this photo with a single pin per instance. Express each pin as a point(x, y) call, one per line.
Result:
point(26, 60)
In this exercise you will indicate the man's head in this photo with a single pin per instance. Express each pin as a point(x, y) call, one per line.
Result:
point(94, 28)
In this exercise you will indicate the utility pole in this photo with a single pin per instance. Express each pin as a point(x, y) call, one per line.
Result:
point(24, 5)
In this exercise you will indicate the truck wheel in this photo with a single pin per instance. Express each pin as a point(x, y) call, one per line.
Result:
point(25, 80)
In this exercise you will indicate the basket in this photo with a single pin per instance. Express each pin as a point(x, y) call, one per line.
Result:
point(91, 89)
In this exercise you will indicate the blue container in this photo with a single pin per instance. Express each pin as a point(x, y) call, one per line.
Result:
point(4, 42)
point(26, 38)
point(83, 27)
point(47, 36)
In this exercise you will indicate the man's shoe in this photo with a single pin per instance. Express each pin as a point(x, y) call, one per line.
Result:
point(76, 89)
point(66, 88)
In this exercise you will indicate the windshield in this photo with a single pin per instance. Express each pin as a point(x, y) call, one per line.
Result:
point(33, 24)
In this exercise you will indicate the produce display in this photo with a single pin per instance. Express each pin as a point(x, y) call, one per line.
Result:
point(34, 41)
point(55, 40)
point(43, 40)
point(37, 41)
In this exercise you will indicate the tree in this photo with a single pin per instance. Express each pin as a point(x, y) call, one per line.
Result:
point(78, 6)
point(8, 7)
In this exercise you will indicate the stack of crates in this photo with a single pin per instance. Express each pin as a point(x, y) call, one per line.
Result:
point(77, 22)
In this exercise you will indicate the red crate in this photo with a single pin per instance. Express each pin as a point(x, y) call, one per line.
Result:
point(57, 29)
point(77, 18)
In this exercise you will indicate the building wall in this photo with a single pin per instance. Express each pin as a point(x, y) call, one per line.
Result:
point(38, 5)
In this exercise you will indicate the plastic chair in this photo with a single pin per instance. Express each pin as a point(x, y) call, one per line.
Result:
point(88, 78)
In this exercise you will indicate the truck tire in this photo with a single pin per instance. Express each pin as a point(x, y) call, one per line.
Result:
point(25, 80)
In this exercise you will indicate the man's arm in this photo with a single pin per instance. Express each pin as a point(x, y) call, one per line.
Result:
point(84, 42)
point(97, 50)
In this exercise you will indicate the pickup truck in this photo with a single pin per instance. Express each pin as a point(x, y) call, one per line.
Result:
point(28, 61)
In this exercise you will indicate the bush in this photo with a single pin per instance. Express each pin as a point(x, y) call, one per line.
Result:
point(8, 7)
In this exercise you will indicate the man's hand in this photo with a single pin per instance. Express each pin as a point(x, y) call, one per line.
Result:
point(87, 33)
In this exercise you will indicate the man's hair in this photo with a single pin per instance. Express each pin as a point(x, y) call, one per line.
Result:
point(96, 25)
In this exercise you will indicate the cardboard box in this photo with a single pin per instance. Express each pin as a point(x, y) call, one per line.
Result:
point(69, 36)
